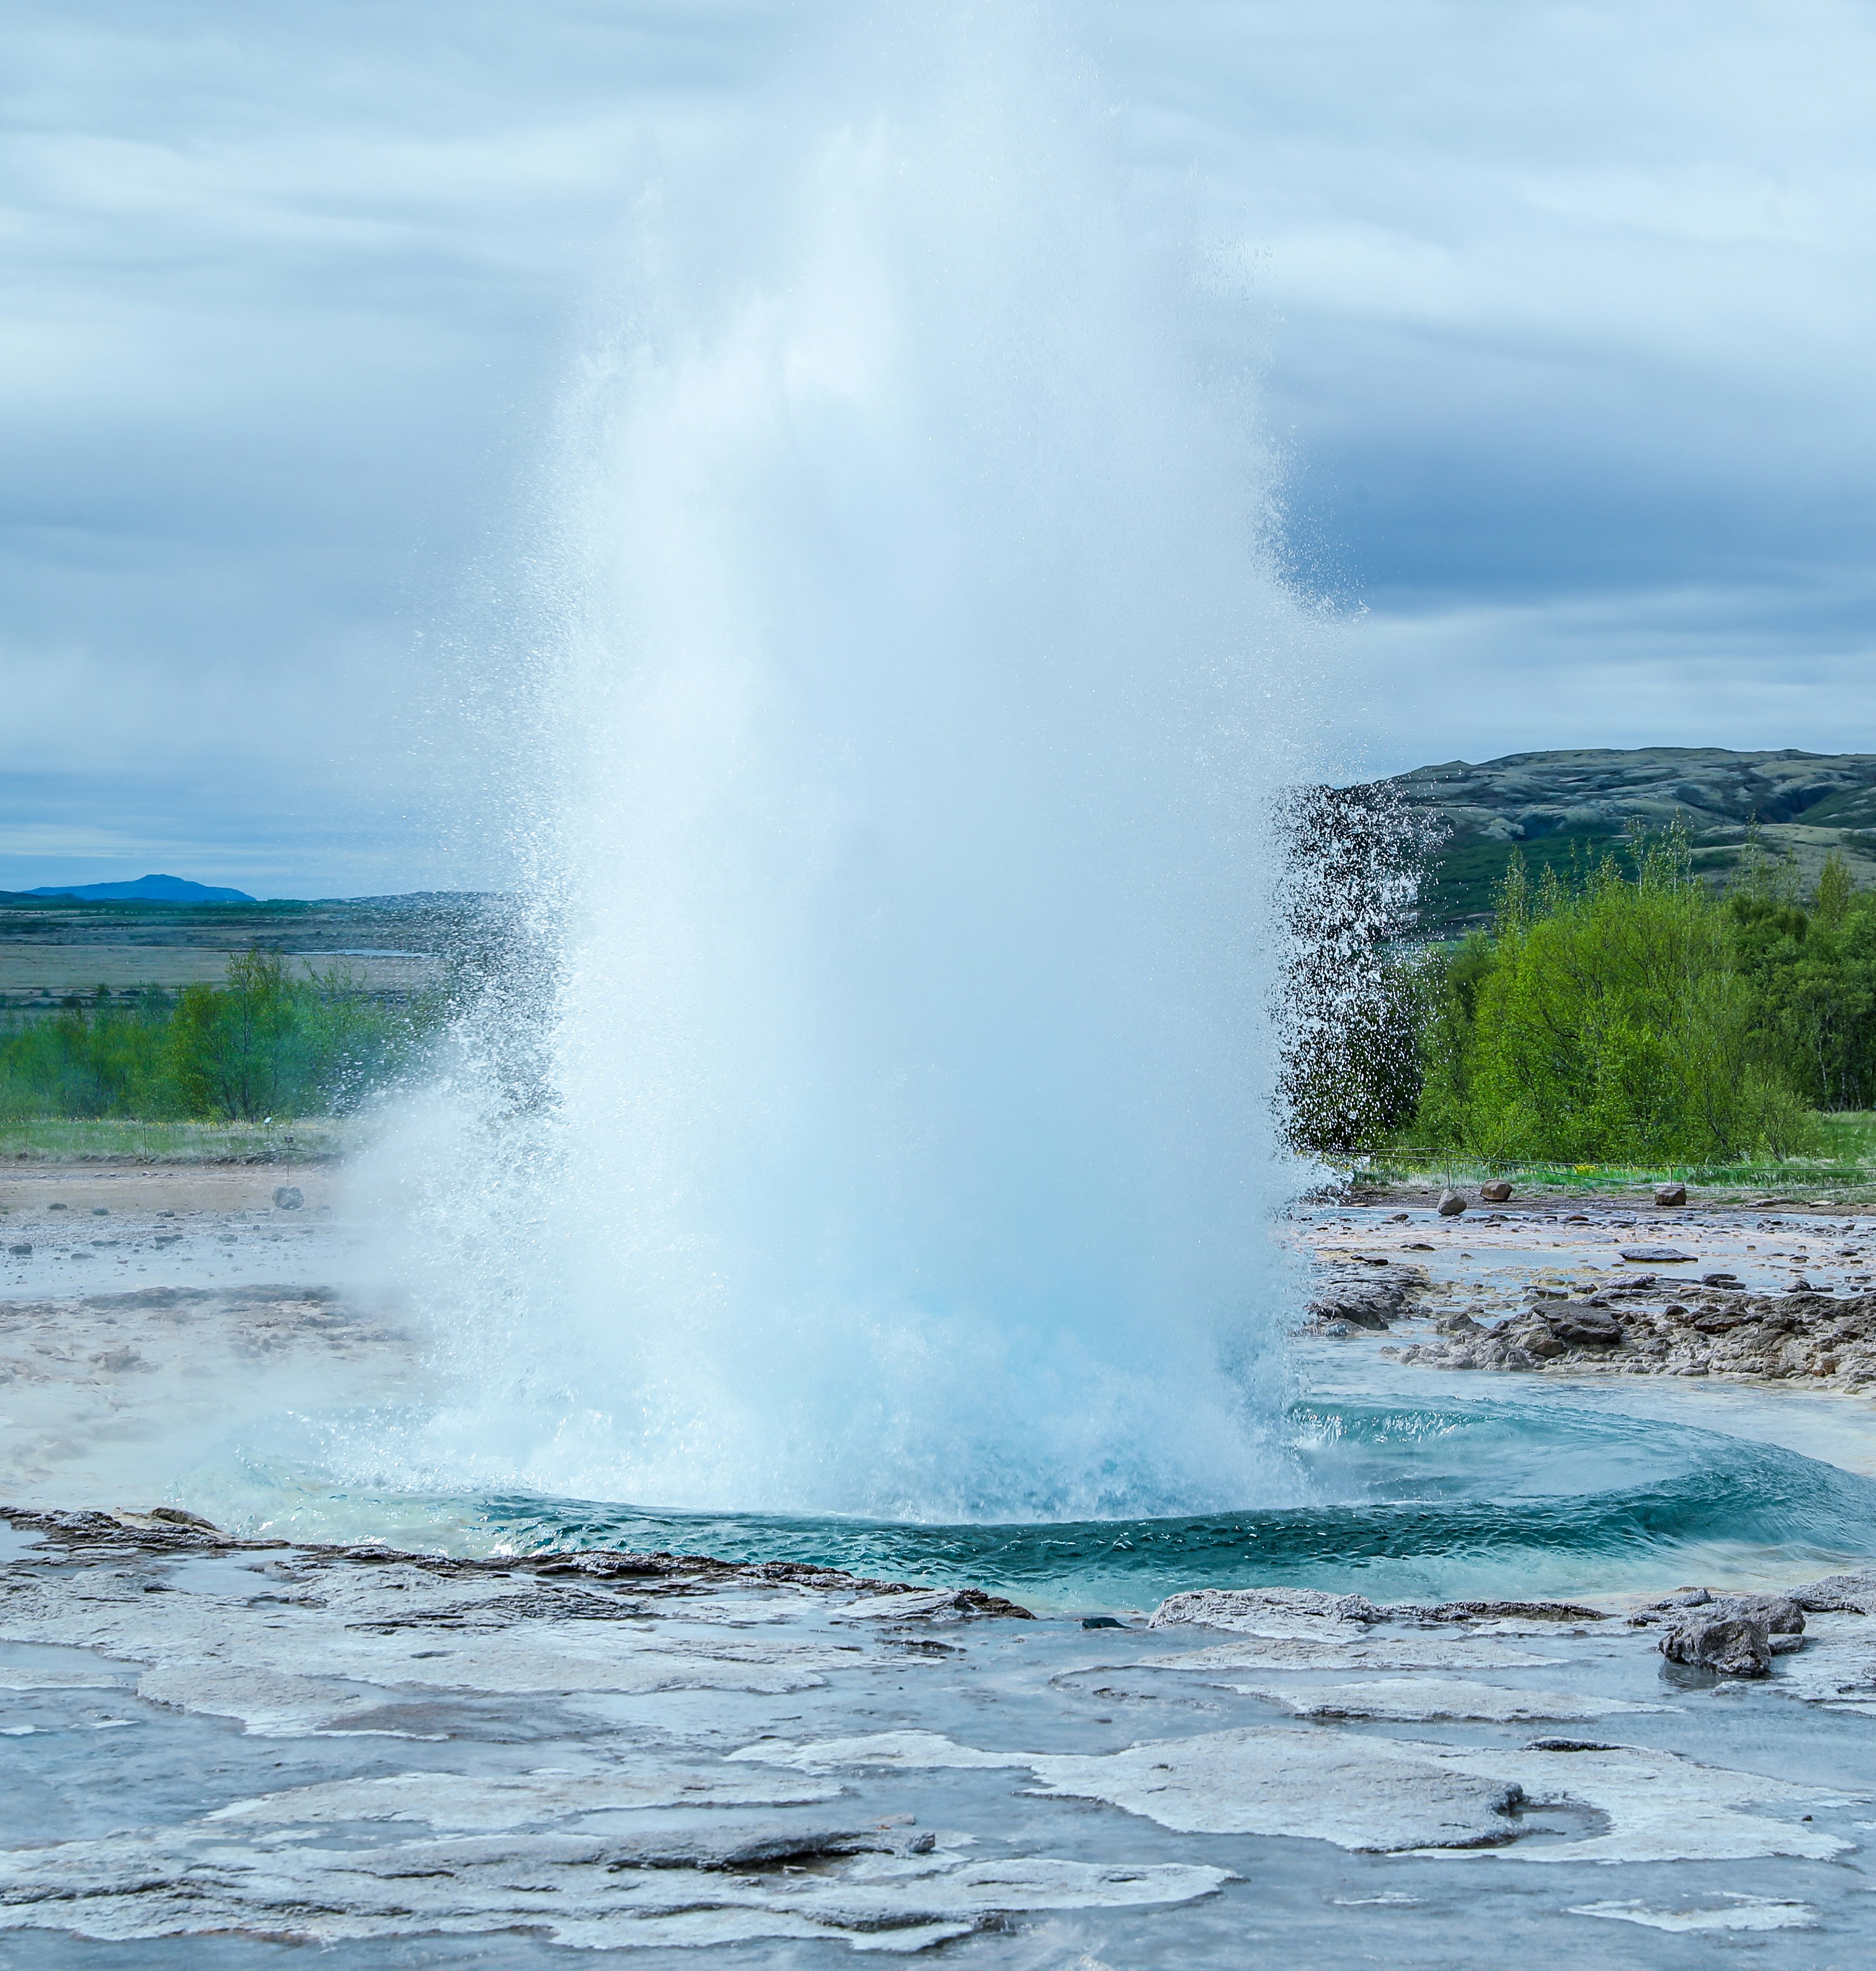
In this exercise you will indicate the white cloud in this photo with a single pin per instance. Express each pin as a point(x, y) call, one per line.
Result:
point(1563, 313)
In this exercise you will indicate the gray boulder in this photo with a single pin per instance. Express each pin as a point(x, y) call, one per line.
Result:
point(1450, 1205)
point(1497, 1192)
point(1730, 1645)
point(1530, 1334)
point(1782, 1614)
point(1670, 1193)
point(287, 1198)
point(1353, 1307)
point(1582, 1327)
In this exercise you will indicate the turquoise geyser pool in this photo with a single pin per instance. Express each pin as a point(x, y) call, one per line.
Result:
point(1523, 1490)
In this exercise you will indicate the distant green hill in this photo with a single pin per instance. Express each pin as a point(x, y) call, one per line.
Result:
point(1563, 809)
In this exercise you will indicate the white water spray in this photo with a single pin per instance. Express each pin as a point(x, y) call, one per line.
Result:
point(914, 717)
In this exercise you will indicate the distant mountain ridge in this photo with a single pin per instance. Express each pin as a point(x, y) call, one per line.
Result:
point(146, 889)
point(1556, 807)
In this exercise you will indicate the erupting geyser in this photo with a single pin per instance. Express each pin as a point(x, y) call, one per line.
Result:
point(920, 684)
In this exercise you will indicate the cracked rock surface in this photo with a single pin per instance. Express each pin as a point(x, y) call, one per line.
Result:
point(211, 1738)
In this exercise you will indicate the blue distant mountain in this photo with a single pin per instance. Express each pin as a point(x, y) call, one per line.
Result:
point(145, 890)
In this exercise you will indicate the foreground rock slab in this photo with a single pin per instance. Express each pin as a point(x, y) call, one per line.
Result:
point(208, 1737)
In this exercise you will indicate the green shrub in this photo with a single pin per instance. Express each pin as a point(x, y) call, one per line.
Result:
point(95, 1057)
point(1813, 974)
point(1607, 1020)
point(263, 1043)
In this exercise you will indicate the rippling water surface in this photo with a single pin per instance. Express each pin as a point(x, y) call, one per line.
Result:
point(1499, 1495)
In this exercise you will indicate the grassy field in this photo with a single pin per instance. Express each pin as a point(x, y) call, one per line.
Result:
point(117, 1140)
point(1844, 1173)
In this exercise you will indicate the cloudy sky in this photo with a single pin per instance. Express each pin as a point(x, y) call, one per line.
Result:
point(1560, 317)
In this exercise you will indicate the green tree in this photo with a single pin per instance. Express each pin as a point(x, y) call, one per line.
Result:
point(99, 1055)
point(1812, 975)
point(1607, 1019)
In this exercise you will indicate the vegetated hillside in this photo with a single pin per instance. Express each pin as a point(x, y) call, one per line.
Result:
point(1558, 808)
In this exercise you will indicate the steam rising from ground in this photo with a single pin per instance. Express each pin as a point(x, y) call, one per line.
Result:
point(898, 1141)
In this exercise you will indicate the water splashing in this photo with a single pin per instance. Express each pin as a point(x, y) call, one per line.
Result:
point(921, 682)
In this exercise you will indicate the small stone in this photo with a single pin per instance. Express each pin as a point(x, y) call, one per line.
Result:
point(1670, 1193)
point(1450, 1205)
point(21, 1251)
point(1497, 1192)
point(175, 1516)
point(1655, 1255)
point(1731, 1646)
point(286, 1197)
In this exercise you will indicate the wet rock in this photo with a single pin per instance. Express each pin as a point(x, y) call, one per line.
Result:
point(1729, 1645)
point(1366, 1302)
point(1342, 1313)
point(1728, 1331)
point(1851, 1594)
point(1496, 1612)
point(1533, 1334)
point(1429, 1699)
point(1781, 1614)
point(1581, 1327)
point(1655, 1255)
point(174, 1516)
point(1670, 1193)
point(1376, 1794)
point(1451, 1204)
point(1498, 1191)
point(1259, 1611)
point(288, 1197)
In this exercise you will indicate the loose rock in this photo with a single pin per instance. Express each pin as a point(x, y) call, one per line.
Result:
point(1450, 1205)
point(1583, 1327)
point(1731, 1646)
point(1726, 1330)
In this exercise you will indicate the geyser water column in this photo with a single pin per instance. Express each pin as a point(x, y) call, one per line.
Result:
point(920, 686)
